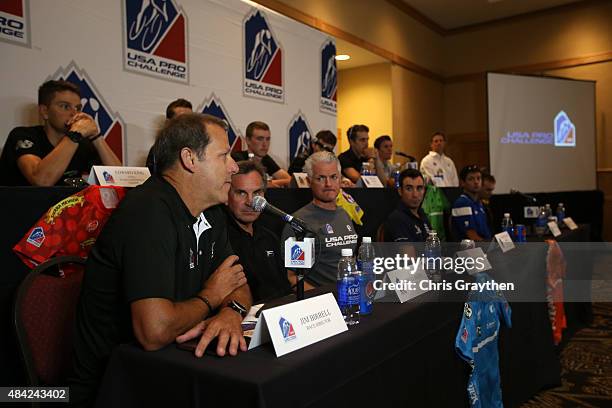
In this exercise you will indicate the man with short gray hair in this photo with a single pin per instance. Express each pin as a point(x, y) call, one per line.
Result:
point(332, 224)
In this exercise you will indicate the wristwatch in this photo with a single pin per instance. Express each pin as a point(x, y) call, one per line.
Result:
point(76, 137)
point(237, 307)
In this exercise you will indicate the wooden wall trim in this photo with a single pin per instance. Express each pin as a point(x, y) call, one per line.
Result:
point(327, 28)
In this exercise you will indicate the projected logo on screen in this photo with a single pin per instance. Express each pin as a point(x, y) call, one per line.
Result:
point(263, 59)
point(299, 136)
point(565, 131)
point(110, 124)
point(563, 135)
point(15, 21)
point(329, 81)
point(155, 33)
point(214, 106)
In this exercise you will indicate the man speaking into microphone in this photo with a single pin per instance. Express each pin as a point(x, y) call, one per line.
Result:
point(333, 227)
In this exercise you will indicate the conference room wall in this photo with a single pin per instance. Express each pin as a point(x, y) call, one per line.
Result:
point(364, 96)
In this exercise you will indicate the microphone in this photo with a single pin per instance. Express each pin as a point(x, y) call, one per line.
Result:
point(406, 155)
point(525, 196)
point(260, 204)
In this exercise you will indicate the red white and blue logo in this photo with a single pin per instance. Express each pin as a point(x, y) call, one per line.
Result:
point(297, 255)
point(299, 136)
point(286, 329)
point(36, 237)
point(565, 131)
point(329, 78)
point(15, 21)
point(110, 123)
point(213, 106)
point(263, 59)
point(155, 39)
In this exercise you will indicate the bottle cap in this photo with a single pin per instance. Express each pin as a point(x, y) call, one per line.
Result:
point(506, 215)
point(347, 252)
point(366, 240)
point(560, 204)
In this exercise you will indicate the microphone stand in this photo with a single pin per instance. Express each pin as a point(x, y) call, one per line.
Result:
point(300, 234)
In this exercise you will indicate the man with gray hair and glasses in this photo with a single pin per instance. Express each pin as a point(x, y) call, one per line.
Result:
point(332, 224)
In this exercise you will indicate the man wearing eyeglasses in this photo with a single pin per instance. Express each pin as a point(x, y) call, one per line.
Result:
point(334, 228)
point(323, 140)
point(469, 218)
point(65, 146)
point(256, 246)
point(408, 222)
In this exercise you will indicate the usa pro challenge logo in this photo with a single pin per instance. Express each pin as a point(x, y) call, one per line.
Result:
point(329, 79)
point(15, 21)
point(565, 131)
point(110, 124)
point(263, 59)
point(155, 33)
point(297, 255)
point(286, 329)
point(299, 136)
point(214, 106)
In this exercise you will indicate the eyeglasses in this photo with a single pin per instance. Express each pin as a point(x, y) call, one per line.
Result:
point(323, 179)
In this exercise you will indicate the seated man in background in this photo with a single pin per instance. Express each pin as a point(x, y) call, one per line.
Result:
point(358, 152)
point(65, 146)
point(488, 186)
point(258, 142)
point(408, 222)
point(256, 246)
point(384, 168)
point(323, 140)
point(332, 224)
point(174, 108)
point(468, 214)
point(163, 268)
point(437, 166)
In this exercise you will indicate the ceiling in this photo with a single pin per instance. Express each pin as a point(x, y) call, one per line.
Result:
point(359, 56)
point(450, 14)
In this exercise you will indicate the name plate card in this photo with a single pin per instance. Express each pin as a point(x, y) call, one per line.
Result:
point(554, 228)
point(505, 241)
point(372, 182)
point(301, 179)
point(476, 253)
point(299, 324)
point(407, 284)
point(570, 223)
point(118, 176)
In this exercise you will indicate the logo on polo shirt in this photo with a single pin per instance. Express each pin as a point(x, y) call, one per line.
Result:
point(110, 123)
point(155, 44)
point(299, 136)
point(191, 259)
point(24, 144)
point(269, 253)
point(214, 106)
point(329, 229)
point(329, 78)
point(286, 329)
point(15, 21)
point(263, 59)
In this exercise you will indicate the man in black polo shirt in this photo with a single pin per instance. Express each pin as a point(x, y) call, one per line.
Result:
point(257, 246)
point(408, 222)
point(65, 146)
point(358, 153)
point(163, 269)
point(258, 142)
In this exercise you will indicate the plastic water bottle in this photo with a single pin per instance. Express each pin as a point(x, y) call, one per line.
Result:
point(540, 226)
point(365, 263)
point(560, 213)
point(508, 225)
point(348, 282)
point(548, 211)
point(365, 169)
point(433, 254)
point(396, 174)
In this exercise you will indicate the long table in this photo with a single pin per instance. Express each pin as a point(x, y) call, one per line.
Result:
point(401, 355)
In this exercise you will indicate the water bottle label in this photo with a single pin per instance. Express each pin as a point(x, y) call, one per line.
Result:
point(348, 291)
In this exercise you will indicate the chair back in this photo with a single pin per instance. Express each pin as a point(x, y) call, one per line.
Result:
point(44, 313)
